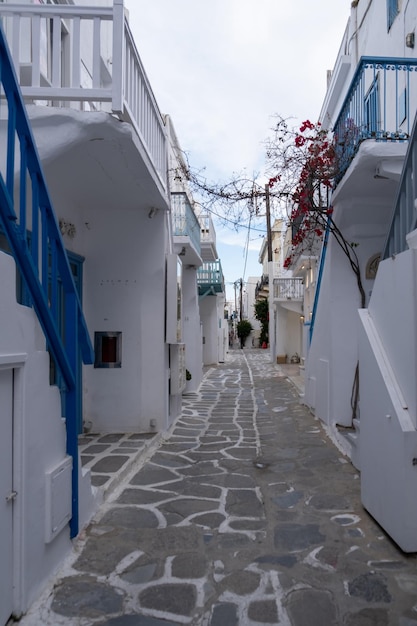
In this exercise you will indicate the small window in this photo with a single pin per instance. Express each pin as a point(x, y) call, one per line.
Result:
point(108, 349)
point(392, 11)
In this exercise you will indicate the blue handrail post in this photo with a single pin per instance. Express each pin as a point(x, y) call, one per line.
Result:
point(71, 342)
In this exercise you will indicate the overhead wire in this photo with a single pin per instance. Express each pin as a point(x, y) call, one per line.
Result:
point(236, 223)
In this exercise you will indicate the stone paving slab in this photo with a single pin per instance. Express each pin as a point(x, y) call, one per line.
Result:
point(110, 457)
point(246, 515)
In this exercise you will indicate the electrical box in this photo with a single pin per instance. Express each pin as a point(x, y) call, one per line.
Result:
point(58, 498)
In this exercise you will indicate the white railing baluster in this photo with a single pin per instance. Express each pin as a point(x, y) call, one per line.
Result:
point(76, 53)
point(36, 51)
point(119, 56)
point(56, 52)
point(96, 53)
point(16, 40)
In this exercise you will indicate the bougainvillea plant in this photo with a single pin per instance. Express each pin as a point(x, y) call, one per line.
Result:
point(312, 213)
point(310, 198)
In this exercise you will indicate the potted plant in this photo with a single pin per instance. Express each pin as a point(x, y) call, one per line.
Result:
point(244, 328)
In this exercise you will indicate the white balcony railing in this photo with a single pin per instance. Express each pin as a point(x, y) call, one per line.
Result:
point(86, 58)
point(288, 289)
point(208, 234)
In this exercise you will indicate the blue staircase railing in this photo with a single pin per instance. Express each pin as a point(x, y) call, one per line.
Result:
point(404, 218)
point(42, 261)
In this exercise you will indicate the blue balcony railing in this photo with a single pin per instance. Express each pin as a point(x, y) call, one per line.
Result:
point(184, 220)
point(377, 106)
point(41, 257)
point(404, 218)
point(210, 279)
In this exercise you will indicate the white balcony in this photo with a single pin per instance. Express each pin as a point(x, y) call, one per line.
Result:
point(208, 238)
point(288, 289)
point(186, 229)
point(85, 58)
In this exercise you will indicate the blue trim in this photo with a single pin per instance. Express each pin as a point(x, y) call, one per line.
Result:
point(319, 277)
point(403, 219)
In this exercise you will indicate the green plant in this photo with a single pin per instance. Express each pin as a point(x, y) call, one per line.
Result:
point(188, 375)
point(243, 330)
point(262, 315)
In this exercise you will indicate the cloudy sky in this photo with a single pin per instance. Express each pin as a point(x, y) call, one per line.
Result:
point(222, 69)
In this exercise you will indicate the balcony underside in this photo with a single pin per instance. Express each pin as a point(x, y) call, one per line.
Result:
point(370, 181)
point(291, 305)
point(186, 251)
point(209, 289)
point(95, 150)
point(208, 251)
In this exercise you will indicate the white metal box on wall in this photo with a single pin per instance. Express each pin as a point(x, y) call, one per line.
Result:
point(58, 498)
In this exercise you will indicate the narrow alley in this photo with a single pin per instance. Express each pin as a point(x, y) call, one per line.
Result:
point(246, 513)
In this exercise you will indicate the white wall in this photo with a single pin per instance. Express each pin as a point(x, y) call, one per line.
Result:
point(288, 333)
point(249, 310)
point(388, 368)
point(124, 251)
point(192, 329)
point(124, 291)
point(39, 442)
point(333, 351)
point(209, 318)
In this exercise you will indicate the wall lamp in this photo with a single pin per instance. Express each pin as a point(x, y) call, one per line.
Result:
point(409, 40)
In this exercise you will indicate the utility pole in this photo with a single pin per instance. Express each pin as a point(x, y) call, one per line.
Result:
point(241, 298)
point(268, 223)
point(234, 285)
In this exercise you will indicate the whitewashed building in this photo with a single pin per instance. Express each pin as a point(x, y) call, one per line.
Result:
point(361, 368)
point(249, 300)
point(201, 328)
point(89, 267)
point(285, 291)
point(212, 294)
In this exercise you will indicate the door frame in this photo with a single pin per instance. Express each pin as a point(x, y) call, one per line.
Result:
point(16, 362)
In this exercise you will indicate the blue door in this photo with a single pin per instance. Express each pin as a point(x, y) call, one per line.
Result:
point(76, 265)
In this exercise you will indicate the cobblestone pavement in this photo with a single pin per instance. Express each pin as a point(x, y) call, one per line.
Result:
point(246, 514)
